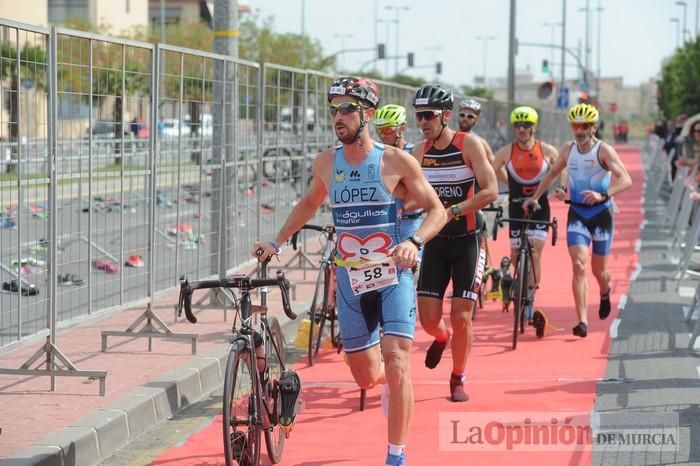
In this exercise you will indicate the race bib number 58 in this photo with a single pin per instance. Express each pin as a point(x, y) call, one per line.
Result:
point(372, 276)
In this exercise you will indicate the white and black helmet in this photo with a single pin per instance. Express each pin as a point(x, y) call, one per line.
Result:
point(470, 104)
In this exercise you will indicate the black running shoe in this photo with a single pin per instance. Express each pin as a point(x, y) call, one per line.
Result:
point(434, 354)
point(290, 387)
point(539, 321)
point(604, 309)
point(581, 330)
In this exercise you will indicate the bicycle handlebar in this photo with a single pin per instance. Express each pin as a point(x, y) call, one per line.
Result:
point(242, 283)
point(554, 225)
point(328, 230)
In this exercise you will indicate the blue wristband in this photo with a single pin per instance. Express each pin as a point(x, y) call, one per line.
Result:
point(274, 244)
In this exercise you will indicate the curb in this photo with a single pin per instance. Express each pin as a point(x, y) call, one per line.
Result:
point(97, 436)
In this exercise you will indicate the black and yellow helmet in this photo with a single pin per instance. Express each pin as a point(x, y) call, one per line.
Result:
point(524, 114)
point(583, 113)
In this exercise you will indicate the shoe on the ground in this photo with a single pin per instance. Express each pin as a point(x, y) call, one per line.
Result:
point(581, 330)
point(384, 400)
point(395, 460)
point(604, 309)
point(13, 286)
point(434, 354)
point(290, 388)
point(539, 321)
point(457, 393)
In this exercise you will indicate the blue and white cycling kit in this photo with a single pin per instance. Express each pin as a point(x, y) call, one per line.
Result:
point(588, 223)
point(365, 215)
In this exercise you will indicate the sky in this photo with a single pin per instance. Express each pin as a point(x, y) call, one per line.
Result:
point(636, 35)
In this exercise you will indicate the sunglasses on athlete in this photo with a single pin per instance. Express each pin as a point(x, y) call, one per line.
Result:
point(522, 125)
point(387, 130)
point(346, 108)
point(579, 126)
point(469, 116)
point(428, 115)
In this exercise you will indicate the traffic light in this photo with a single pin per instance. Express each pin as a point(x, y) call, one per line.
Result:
point(410, 59)
point(545, 66)
point(438, 67)
point(381, 51)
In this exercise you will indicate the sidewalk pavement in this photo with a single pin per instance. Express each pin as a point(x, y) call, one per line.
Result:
point(650, 368)
point(76, 426)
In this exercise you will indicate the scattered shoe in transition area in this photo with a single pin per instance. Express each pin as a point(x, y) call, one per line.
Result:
point(134, 260)
point(70, 279)
point(106, 265)
point(13, 286)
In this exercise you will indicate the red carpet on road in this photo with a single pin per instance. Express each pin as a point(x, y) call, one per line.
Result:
point(557, 374)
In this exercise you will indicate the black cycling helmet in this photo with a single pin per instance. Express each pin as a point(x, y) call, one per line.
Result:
point(363, 89)
point(435, 96)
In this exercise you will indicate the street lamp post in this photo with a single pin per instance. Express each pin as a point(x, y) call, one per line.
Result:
point(386, 41)
point(342, 37)
point(597, 79)
point(302, 52)
point(685, 11)
point(398, 9)
point(678, 31)
point(552, 27)
point(587, 9)
point(485, 40)
point(434, 48)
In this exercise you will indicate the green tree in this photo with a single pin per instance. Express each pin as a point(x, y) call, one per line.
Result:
point(678, 89)
point(482, 92)
point(32, 65)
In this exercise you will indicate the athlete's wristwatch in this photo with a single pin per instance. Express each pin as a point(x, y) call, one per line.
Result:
point(605, 195)
point(417, 241)
point(456, 211)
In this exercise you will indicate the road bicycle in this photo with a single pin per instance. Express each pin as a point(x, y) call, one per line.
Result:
point(524, 266)
point(260, 393)
point(322, 311)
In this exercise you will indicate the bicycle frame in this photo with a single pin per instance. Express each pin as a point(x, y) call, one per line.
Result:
point(524, 257)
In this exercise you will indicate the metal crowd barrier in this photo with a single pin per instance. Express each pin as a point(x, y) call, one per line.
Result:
point(128, 164)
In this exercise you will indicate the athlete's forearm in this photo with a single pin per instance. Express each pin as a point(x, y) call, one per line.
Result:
point(480, 199)
point(432, 223)
point(299, 216)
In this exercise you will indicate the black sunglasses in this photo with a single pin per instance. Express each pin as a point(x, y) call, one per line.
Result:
point(470, 116)
point(521, 124)
point(346, 108)
point(428, 115)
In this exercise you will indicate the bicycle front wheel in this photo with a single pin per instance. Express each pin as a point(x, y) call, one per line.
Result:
point(520, 298)
point(241, 434)
point(315, 314)
point(274, 355)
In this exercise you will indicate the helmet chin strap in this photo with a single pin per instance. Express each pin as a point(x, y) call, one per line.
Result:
point(443, 123)
point(363, 123)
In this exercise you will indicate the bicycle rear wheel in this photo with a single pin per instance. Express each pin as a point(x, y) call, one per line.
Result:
point(241, 434)
point(274, 437)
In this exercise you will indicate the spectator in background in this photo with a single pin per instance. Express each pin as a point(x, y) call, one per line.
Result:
point(672, 141)
point(690, 147)
point(624, 129)
point(616, 132)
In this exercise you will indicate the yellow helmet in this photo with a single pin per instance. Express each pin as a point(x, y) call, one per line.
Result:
point(583, 113)
point(524, 115)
